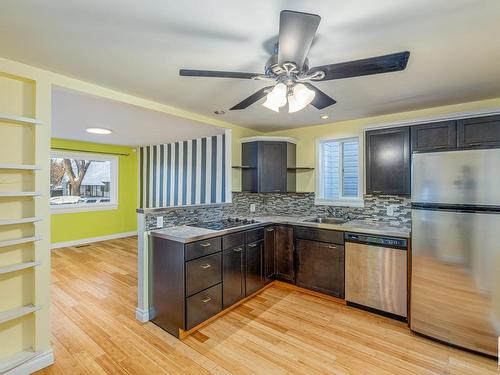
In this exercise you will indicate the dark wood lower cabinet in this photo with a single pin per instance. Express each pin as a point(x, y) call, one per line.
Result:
point(285, 265)
point(254, 280)
point(203, 305)
point(320, 267)
point(233, 275)
point(269, 253)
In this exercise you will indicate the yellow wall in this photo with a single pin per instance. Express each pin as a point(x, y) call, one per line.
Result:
point(80, 225)
point(307, 136)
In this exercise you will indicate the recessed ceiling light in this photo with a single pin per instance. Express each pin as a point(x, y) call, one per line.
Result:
point(324, 117)
point(101, 131)
point(220, 112)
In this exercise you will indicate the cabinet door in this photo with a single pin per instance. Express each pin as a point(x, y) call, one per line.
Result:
point(320, 267)
point(249, 157)
point(269, 253)
point(388, 161)
point(436, 136)
point(233, 275)
point(254, 279)
point(285, 254)
point(479, 132)
point(272, 167)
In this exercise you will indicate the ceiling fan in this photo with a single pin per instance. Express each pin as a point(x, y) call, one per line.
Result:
point(289, 68)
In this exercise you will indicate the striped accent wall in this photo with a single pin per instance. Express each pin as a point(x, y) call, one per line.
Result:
point(184, 173)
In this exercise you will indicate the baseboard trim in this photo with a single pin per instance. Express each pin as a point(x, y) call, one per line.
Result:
point(44, 359)
point(85, 241)
point(144, 316)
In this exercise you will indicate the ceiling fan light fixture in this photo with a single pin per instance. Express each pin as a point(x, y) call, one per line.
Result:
point(276, 98)
point(300, 98)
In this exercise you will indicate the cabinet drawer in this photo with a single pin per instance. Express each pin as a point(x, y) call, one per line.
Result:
point(255, 235)
point(203, 305)
point(202, 273)
point(322, 235)
point(233, 240)
point(202, 248)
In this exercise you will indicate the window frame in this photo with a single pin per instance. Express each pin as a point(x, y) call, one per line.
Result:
point(87, 207)
point(342, 200)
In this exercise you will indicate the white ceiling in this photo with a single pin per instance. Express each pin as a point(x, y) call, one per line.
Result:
point(138, 47)
point(74, 112)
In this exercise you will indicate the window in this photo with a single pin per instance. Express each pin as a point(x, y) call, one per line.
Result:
point(339, 172)
point(83, 182)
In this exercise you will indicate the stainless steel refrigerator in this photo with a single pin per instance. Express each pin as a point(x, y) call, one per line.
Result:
point(455, 269)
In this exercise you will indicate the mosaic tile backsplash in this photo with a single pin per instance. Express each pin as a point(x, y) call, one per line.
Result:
point(288, 204)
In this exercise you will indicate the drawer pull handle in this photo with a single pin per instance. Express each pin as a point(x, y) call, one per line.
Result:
point(270, 229)
point(205, 266)
point(205, 300)
point(332, 246)
point(205, 244)
point(252, 245)
point(238, 249)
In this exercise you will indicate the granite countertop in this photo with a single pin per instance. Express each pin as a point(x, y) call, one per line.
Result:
point(186, 233)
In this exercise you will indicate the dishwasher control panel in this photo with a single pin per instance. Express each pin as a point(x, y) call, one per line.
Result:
point(399, 243)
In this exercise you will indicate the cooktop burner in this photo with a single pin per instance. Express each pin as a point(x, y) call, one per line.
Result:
point(230, 222)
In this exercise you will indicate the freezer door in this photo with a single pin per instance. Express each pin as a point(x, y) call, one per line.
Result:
point(455, 283)
point(457, 177)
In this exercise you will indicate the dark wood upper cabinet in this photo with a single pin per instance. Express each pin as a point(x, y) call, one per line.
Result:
point(388, 161)
point(434, 136)
point(285, 264)
point(320, 267)
point(269, 253)
point(267, 167)
point(479, 132)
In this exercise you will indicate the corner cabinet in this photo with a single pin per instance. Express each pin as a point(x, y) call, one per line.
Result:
point(268, 167)
point(388, 161)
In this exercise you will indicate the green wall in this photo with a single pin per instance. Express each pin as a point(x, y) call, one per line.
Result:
point(81, 225)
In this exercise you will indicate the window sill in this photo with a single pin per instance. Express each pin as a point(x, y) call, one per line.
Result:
point(68, 210)
point(355, 202)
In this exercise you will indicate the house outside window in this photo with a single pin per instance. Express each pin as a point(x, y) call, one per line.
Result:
point(83, 182)
point(339, 172)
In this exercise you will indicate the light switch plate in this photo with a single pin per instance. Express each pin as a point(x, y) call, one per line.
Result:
point(159, 221)
point(252, 207)
point(390, 210)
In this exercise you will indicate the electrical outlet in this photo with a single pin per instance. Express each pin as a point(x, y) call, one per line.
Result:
point(252, 207)
point(390, 210)
point(159, 221)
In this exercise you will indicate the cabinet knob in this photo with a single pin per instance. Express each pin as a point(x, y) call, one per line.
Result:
point(205, 266)
point(205, 244)
point(205, 300)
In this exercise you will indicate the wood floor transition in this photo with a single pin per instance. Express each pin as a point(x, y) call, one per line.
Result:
point(280, 331)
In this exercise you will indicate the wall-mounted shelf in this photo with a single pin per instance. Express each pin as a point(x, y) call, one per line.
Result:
point(242, 167)
point(301, 169)
point(19, 241)
point(16, 360)
point(24, 220)
point(4, 194)
point(18, 267)
point(28, 167)
point(19, 119)
point(8, 315)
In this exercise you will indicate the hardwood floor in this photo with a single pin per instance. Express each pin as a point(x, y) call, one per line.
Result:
point(280, 331)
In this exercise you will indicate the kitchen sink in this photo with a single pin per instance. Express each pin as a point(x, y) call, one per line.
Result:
point(326, 220)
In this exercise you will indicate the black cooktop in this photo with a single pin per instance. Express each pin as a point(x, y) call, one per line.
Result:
point(230, 222)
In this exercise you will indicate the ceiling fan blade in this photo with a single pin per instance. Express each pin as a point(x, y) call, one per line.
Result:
point(252, 98)
point(297, 31)
point(364, 67)
point(321, 100)
point(216, 73)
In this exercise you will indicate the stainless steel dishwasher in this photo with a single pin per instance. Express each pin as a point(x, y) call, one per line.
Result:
point(376, 272)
